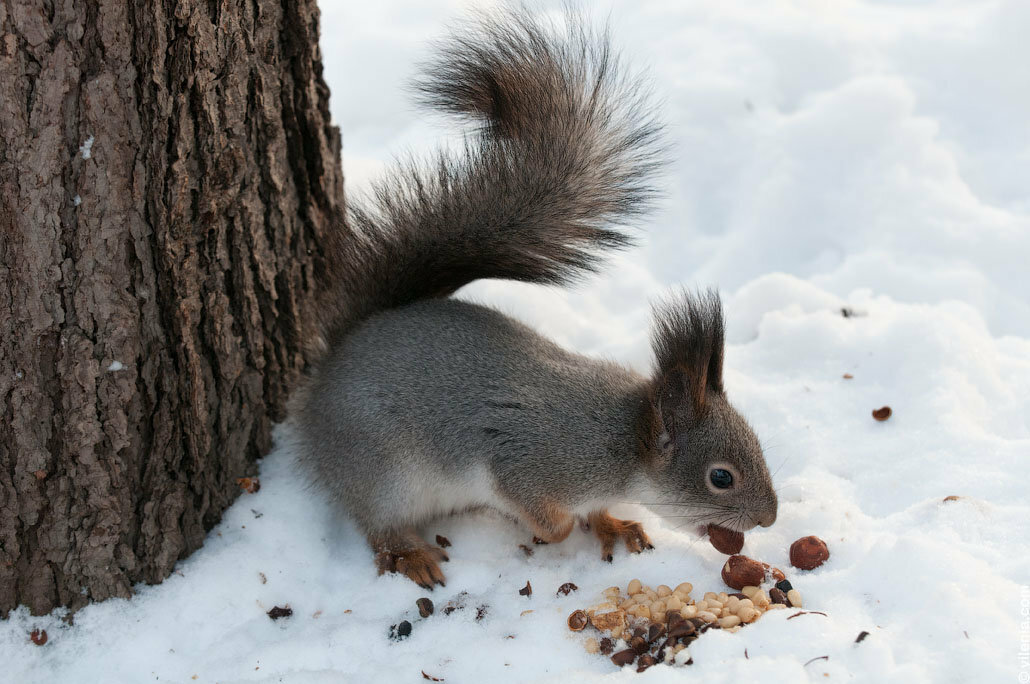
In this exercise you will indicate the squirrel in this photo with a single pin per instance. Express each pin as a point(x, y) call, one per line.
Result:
point(423, 405)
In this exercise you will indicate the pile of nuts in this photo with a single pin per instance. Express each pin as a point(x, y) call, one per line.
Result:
point(652, 626)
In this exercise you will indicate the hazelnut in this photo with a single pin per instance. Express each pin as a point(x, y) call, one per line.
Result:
point(808, 553)
point(578, 621)
point(741, 571)
point(882, 414)
point(725, 540)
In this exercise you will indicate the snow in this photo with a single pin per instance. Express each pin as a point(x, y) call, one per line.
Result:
point(86, 148)
point(115, 366)
point(76, 201)
point(868, 156)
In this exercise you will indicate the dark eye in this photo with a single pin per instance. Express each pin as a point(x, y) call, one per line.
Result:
point(721, 478)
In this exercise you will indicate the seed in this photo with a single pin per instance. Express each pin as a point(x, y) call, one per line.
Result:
point(663, 590)
point(592, 646)
point(633, 587)
point(711, 596)
point(707, 616)
point(761, 600)
point(733, 604)
point(729, 621)
point(784, 586)
point(638, 644)
point(641, 611)
point(685, 587)
point(578, 621)
point(688, 611)
point(749, 591)
point(748, 615)
point(607, 646)
point(794, 596)
point(611, 593)
point(673, 603)
point(624, 657)
point(778, 596)
point(602, 608)
point(658, 606)
point(723, 597)
point(567, 589)
point(425, 607)
point(747, 603)
point(654, 632)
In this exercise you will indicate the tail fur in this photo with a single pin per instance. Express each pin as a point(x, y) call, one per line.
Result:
point(566, 150)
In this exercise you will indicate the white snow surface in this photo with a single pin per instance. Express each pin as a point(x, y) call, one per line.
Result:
point(869, 155)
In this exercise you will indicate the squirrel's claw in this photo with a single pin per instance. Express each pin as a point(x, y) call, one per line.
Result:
point(609, 530)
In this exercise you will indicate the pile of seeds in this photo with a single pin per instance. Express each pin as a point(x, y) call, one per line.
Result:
point(649, 626)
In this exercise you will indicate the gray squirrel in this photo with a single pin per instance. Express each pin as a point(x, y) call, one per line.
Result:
point(422, 405)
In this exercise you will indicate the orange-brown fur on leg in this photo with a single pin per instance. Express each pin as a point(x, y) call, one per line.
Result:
point(551, 522)
point(609, 530)
point(404, 552)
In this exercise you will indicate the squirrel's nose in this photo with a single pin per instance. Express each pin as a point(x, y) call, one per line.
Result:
point(767, 517)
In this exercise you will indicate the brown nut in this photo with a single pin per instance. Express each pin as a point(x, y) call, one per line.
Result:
point(725, 540)
point(741, 571)
point(778, 596)
point(882, 414)
point(624, 657)
point(808, 553)
point(567, 589)
point(638, 644)
point(38, 636)
point(607, 646)
point(578, 621)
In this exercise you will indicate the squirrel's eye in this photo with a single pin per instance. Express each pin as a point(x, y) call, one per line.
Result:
point(721, 478)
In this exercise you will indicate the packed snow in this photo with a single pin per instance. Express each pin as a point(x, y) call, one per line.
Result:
point(859, 158)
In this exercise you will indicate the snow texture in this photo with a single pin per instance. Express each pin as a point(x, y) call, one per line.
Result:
point(87, 148)
point(860, 157)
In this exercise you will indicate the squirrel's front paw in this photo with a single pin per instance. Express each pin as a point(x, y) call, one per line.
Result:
point(609, 530)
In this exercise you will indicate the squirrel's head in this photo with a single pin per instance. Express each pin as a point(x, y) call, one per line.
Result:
point(702, 459)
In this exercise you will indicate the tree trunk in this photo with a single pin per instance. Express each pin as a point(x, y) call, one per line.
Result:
point(167, 172)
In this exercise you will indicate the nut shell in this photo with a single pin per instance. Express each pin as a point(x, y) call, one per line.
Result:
point(725, 540)
point(741, 571)
point(578, 621)
point(882, 414)
point(607, 622)
point(808, 553)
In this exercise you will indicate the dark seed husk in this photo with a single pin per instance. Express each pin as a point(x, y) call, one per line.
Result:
point(784, 586)
point(624, 657)
point(425, 607)
point(646, 661)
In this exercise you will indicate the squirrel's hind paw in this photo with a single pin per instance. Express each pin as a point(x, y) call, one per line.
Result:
point(609, 530)
point(419, 563)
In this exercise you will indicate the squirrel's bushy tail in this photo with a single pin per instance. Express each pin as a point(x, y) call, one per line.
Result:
point(566, 150)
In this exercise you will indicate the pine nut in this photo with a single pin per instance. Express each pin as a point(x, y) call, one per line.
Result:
point(685, 587)
point(633, 587)
point(794, 596)
point(663, 590)
point(729, 621)
point(749, 591)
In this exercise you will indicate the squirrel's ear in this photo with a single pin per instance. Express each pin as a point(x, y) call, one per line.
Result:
point(680, 394)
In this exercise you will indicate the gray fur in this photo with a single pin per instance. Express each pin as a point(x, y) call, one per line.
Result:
point(423, 405)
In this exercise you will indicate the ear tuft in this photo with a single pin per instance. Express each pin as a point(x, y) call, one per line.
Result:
point(688, 337)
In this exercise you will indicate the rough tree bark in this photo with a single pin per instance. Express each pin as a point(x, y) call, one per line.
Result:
point(167, 170)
